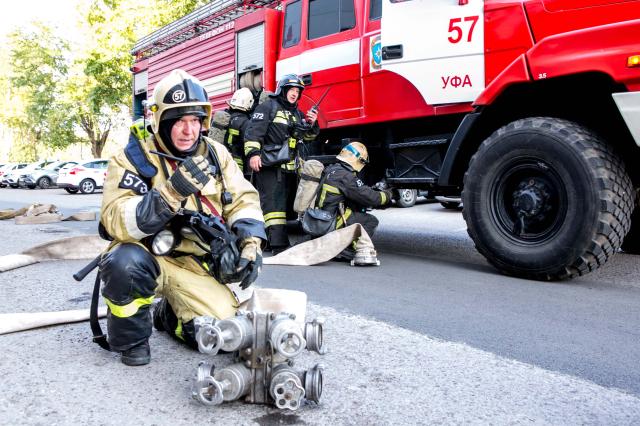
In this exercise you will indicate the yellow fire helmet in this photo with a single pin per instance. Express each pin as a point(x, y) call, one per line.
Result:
point(176, 95)
point(354, 154)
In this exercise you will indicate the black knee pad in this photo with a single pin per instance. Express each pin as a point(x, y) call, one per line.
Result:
point(128, 272)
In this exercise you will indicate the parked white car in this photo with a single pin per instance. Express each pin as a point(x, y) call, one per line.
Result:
point(85, 177)
point(11, 177)
point(8, 168)
point(44, 177)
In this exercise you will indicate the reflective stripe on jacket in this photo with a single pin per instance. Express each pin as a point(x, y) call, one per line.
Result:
point(342, 185)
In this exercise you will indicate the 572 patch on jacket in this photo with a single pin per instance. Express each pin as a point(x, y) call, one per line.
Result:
point(133, 182)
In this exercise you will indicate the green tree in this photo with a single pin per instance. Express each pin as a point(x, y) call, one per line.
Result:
point(112, 28)
point(39, 65)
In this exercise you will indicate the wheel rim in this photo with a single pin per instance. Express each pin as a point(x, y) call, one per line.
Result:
point(529, 201)
point(44, 183)
point(87, 186)
point(407, 195)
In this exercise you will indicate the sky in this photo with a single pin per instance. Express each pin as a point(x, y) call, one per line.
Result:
point(60, 14)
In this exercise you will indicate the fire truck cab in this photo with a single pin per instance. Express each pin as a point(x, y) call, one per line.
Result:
point(528, 109)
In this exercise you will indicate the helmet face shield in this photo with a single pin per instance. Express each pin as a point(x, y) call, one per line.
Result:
point(185, 92)
point(180, 112)
point(355, 154)
point(361, 158)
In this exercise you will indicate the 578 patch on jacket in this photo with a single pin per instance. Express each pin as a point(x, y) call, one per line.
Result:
point(133, 182)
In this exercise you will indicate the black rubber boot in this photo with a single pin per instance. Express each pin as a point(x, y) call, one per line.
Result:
point(137, 355)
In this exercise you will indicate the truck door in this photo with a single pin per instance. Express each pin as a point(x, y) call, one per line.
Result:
point(437, 45)
point(324, 50)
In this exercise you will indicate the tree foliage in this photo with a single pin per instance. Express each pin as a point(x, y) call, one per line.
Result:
point(113, 28)
point(39, 66)
point(53, 91)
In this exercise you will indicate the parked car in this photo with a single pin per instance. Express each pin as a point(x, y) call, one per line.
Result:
point(44, 177)
point(407, 197)
point(11, 177)
point(85, 177)
point(7, 168)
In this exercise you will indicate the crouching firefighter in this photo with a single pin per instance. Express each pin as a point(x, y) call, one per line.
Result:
point(343, 194)
point(179, 183)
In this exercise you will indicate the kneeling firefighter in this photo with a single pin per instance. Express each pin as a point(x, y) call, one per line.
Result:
point(344, 195)
point(146, 193)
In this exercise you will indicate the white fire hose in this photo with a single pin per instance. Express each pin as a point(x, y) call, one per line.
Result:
point(312, 252)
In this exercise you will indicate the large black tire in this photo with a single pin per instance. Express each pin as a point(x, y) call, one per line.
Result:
point(87, 186)
point(631, 243)
point(44, 182)
point(71, 190)
point(406, 197)
point(546, 199)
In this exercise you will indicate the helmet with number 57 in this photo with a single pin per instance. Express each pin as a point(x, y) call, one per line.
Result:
point(177, 95)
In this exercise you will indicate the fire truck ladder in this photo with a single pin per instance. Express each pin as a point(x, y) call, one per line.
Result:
point(201, 20)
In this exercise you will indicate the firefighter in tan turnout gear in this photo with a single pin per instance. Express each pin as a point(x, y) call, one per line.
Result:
point(343, 193)
point(146, 193)
point(271, 146)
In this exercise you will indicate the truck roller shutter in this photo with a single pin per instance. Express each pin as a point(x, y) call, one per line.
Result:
point(251, 49)
point(140, 82)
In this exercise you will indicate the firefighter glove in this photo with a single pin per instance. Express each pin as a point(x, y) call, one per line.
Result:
point(250, 261)
point(190, 177)
point(388, 196)
point(381, 185)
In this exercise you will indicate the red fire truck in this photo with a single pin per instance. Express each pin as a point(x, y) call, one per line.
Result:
point(529, 109)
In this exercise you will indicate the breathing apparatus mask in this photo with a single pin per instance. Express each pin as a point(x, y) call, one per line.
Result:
point(210, 234)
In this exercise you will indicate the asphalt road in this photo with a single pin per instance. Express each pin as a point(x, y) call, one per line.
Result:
point(433, 335)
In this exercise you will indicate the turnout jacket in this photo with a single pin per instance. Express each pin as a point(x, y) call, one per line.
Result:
point(272, 124)
point(133, 209)
point(343, 186)
point(235, 134)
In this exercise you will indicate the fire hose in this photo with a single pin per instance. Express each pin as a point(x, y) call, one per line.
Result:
point(312, 252)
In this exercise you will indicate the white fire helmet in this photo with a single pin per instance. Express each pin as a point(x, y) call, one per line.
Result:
point(242, 99)
point(179, 94)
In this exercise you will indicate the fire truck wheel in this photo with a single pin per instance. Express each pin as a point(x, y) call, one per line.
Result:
point(631, 243)
point(546, 199)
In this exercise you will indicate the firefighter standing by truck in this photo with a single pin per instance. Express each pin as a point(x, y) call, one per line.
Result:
point(271, 148)
point(144, 194)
